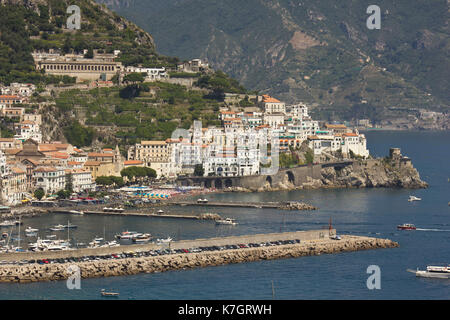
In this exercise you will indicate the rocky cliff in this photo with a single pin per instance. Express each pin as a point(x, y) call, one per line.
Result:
point(395, 171)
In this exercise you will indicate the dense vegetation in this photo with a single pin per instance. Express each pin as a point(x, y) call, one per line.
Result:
point(153, 114)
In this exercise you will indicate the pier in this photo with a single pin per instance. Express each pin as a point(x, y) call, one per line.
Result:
point(139, 214)
point(269, 205)
point(307, 243)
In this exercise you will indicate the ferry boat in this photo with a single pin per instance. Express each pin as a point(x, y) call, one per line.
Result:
point(413, 198)
point(226, 221)
point(127, 235)
point(406, 226)
point(434, 272)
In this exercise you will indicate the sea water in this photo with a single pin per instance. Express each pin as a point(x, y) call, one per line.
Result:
point(367, 212)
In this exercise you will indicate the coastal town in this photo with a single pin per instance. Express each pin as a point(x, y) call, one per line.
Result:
point(243, 145)
point(131, 147)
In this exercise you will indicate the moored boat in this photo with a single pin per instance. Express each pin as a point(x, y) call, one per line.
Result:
point(109, 294)
point(414, 198)
point(226, 221)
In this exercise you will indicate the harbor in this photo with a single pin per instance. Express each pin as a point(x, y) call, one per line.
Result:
point(180, 255)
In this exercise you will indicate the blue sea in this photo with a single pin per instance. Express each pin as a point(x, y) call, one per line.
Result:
point(370, 212)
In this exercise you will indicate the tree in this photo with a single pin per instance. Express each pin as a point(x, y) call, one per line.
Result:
point(39, 193)
point(104, 181)
point(135, 77)
point(199, 171)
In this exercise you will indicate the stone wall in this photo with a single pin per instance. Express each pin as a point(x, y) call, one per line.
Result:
point(183, 244)
point(129, 266)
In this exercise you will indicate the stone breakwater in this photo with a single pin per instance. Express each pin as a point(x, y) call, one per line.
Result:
point(130, 266)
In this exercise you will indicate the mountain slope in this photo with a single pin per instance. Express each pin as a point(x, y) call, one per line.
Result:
point(316, 51)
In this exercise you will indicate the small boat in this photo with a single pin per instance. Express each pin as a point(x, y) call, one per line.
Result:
point(164, 240)
point(226, 221)
point(160, 212)
point(113, 209)
point(7, 223)
point(70, 226)
point(30, 230)
point(30, 234)
point(109, 294)
point(202, 200)
point(406, 226)
point(76, 212)
point(51, 236)
point(4, 235)
point(434, 272)
point(58, 227)
point(142, 238)
point(413, 198)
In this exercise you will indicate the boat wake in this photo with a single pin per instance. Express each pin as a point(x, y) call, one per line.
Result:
point(443, 230)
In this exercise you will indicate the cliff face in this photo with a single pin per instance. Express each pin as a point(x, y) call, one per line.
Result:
point(373, 174)
point(395, 171)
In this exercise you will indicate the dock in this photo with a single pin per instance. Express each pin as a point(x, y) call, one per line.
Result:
point(311, 242)
point(138, 214)
point(270, 205)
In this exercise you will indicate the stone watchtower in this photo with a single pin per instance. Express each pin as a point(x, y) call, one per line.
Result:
point(395, 154)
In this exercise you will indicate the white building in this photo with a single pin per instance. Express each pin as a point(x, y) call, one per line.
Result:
point(81, 179)
point(28, 130)
point(272, 105)
point(50, 179)
point(152, 74)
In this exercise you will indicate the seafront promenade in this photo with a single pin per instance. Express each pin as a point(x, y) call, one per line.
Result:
point(111, 261)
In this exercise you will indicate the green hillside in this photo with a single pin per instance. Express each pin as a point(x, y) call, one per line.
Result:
point(120, 115)
point(320, 52)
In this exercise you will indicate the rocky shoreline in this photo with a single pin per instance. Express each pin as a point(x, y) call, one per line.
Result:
point(393, 172)
point(129, 266)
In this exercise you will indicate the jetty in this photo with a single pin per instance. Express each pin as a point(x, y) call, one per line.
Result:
point(288, 205)
point(179, 255)
point(146, 214)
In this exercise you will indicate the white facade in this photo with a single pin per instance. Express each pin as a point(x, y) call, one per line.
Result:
point(50, 179)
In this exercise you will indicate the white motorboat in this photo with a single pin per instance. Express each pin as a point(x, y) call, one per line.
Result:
point(110, 244)
point(145, 237)
point(226, 221)
point(160, 212)
point(434, 272)
point(58, 227)
point(30, 229)
point(167, 240)
point(414, 198)
point(202, 200)
point(7, 223)
point(76, 212)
